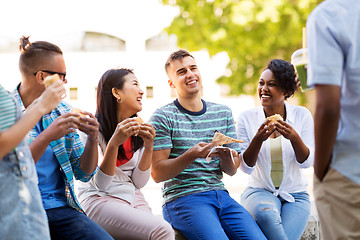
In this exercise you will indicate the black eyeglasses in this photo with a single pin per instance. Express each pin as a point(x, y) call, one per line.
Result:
point(61, 75)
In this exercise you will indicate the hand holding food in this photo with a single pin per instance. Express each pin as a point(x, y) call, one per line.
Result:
point(140, 121)
point(51, 79)
point(274, 119)
point(77, 110)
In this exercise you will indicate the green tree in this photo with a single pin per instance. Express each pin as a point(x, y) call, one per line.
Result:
point(251, 32)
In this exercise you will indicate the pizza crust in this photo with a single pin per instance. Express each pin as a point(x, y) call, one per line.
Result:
point(222, 139)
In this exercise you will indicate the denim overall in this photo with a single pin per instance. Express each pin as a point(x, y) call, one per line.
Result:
point(22, 215)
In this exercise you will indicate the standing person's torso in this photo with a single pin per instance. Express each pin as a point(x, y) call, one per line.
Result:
point(336, 61)
point(179, 130)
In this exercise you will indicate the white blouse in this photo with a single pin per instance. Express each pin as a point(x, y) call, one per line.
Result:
point(128, 177)
point(293, 178)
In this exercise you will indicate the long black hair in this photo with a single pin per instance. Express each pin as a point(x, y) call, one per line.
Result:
point(106, 109)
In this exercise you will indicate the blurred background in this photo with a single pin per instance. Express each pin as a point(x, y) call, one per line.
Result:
point(232, 41)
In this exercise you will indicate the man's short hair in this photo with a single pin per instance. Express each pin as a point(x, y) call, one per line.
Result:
point(177, 55)
point(34, 55)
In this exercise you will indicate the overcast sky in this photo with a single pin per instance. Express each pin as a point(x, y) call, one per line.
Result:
point(44, 19)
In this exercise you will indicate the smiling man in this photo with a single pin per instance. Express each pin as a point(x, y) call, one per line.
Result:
point(195, 200)
point(55, 145)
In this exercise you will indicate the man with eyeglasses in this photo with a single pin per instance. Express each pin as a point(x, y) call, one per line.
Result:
point(62, 76)
point(56, 147)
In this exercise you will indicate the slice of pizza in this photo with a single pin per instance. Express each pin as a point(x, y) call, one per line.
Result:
point(222, 139)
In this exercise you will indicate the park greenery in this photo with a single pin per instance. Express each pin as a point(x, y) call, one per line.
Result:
point(251, 32)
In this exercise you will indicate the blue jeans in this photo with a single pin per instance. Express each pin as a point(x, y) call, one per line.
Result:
point(68, 223)
point(277, 218)
point(211, 215)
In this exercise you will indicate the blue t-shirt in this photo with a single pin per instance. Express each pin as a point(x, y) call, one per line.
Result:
point(179, 129)
point(51, 180)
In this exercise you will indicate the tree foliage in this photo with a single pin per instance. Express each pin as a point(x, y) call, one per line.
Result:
point(251, 32)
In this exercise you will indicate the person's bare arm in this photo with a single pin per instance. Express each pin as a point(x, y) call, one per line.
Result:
point(301, 150)
point(327, 115)
point(12, 136)
point(251, 153)
point(62, 125)
point(123, 131)
point(147, 133)
point(89, 158)
point(164, 168)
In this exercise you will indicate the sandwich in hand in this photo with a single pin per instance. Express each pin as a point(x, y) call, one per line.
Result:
point(139, 120)
point(222, 139)
point(51, 79)
point(77, 110)
point(274, 118)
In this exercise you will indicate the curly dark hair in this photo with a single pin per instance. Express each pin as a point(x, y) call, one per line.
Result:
point(284, 73)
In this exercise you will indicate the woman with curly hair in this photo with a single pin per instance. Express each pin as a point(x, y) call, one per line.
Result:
point(274, 154)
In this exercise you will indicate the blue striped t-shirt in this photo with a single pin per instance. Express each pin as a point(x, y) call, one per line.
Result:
point(179, 129)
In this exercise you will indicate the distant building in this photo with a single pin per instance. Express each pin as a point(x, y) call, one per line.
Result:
point(89, 54)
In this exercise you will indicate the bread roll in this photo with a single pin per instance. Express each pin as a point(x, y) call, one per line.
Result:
point(51, 79)
point(274, 118)
point(77, 110)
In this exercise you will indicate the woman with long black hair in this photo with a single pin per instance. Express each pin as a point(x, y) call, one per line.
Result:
point(113, 198)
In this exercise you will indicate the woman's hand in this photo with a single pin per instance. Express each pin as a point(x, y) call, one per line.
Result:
point(286, 130)
point(301, 150)
point(147, 133)
point(265, 131)
point(124, 130)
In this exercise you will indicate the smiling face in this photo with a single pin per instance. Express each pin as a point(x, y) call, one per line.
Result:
point(185, 77)
point(130, 95)
point(270, 93)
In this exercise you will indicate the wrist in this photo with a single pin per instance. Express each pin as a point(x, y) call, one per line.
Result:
point(92, 139)
point(114, 143)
